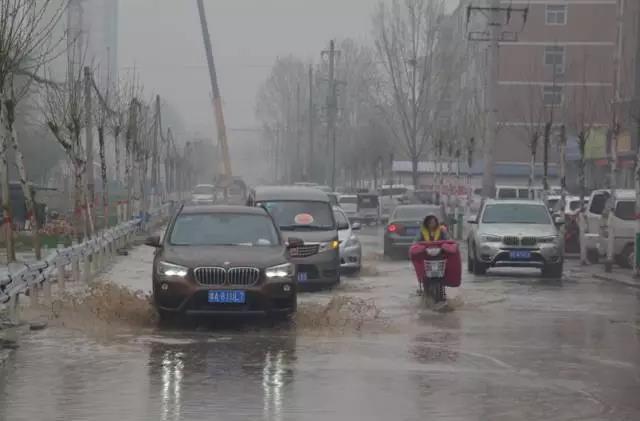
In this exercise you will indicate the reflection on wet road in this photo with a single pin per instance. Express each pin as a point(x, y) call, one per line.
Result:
point(516, 348)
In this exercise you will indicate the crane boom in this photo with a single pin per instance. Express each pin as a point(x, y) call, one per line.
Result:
point(217, 100)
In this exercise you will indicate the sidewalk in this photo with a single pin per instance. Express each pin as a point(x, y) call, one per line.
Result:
point(619, 275)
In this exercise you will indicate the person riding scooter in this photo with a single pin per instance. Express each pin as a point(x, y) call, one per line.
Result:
point(431, 230)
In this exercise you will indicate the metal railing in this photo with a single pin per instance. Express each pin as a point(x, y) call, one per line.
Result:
point(81, 261)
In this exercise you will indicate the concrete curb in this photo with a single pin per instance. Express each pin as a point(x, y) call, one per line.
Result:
point(631, 284)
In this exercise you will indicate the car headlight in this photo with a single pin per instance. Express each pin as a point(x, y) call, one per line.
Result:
point(280, 271)
point(549, 239)
point(352, 241)
point(329, 245)
point(172, 271)
point(488, 238)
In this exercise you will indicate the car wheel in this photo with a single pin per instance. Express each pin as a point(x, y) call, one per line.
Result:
point(592, 256)
point(553, 270)
point(627, 257)
point(479, 268)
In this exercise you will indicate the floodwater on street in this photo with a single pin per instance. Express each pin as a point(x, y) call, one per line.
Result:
point(516, 347)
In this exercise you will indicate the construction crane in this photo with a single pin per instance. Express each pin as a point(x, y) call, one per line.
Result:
point(225, 174)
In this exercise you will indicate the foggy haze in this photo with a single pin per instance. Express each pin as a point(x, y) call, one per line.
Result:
point(162, 39)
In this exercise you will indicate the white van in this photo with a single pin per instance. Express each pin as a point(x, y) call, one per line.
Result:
point(623, 227)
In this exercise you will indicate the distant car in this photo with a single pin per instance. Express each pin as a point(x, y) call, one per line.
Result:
point(403, 226)
point(517, 233)
point(333, 198)
point(203, 194)
point(219, 260)
point(368, 210)
point(390, 196)
point(349, 204)
point(350, 247)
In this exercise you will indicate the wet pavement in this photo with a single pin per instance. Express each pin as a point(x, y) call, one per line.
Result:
point(516, 347)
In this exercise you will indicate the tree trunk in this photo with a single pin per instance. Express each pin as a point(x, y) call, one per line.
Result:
point(7, 222)
point(414, 170)
point(532, 166)
point(103, 176)
point(27, 186)
point(79, 226)
point(582, 141)
point(116, 146)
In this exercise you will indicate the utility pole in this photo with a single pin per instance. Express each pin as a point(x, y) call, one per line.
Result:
point(612, 137)
point(493, 35)
point(91, 185)
point(299, 165)
point(332, 108)
point(217, 100)
point(310, 166)
point(636, 111)
point(155, 167)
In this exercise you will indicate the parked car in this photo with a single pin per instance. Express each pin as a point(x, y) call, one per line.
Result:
point(623, 227)
point(203, 194)
point(333, 198)
point(595, 213)
point(518, 233)
point(349, 204)
point(222, 260)
point(512, 192)
point(305, 213)
point(404, 225)
point(350, 247)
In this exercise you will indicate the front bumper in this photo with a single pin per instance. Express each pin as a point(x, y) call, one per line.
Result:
point(189, 297)
point(322, 269)
point(351, 257)
point(499, 255)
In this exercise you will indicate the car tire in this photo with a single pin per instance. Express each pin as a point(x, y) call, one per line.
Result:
point(592, 256)
point(479, 268)
point(553, 271)
point(627, 257)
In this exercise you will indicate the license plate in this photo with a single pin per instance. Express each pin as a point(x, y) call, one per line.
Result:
point(434, 268)
point(227, 297)
point(412, 231)
point(520, 255)
point(302, 276)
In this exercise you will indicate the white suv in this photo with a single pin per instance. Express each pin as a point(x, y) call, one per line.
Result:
point(623, 227)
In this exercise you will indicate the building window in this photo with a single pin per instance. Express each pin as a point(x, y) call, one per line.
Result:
point(554, 59)
point(552, 95)
point(556, 14)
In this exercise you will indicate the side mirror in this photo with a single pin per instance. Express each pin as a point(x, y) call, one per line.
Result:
point(153, 241)
point(294, 242)
point(356, 226)
point(472, 220)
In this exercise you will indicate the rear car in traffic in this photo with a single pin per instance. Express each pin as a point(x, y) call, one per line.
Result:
point(515, 233)
point(215, 260)
point(306, 214)
point(203, 194)
point(404, 224)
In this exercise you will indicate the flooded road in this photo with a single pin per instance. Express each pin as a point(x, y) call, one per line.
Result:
point(516, 348)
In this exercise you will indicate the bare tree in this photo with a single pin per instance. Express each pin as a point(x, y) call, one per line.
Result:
point(26, 43)
point(64, 113)
point(406, 39)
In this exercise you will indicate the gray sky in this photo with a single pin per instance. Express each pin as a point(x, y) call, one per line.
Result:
point(162, 39)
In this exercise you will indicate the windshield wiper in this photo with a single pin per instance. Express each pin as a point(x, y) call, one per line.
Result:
point(309, 227)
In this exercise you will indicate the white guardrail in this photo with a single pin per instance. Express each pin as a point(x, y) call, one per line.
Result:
point(82, 261)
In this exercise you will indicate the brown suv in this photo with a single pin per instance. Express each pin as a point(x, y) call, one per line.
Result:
point(223, 260)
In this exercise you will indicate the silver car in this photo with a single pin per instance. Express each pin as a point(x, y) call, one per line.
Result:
point(350, 247)
point(516, 233)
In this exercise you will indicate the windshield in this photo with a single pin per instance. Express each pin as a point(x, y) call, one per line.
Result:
point(223, 229)
point(203, 190)
point(574, 205)
point(626, 210)
point(348, 200)
point(395, 191)
point(341, 219)
point(552, 203)
point(416, 212)
point(292, 215)
point(515, 213)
